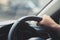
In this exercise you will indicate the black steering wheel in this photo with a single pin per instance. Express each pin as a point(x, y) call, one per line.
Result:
point(27, 28)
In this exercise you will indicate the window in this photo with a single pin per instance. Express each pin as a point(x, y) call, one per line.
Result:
point(14, 9)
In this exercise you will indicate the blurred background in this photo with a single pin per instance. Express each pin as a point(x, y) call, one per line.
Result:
point(14, 9)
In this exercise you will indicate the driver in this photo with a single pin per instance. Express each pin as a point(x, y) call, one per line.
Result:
point(48, 21)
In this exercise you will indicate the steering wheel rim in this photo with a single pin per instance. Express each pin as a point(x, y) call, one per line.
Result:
point(25, 18)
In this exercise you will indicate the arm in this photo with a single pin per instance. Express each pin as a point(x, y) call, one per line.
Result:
point(48, 21)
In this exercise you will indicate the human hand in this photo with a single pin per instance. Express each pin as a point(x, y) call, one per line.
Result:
point(48, 21)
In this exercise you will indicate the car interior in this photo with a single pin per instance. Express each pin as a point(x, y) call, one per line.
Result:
point(20, 20)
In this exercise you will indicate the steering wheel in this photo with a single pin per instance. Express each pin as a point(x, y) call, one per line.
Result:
point(27, 28)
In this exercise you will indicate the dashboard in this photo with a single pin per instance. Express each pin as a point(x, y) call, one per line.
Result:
point(4, 29)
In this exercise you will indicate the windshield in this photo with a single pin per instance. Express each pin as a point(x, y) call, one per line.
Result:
point(14, 9)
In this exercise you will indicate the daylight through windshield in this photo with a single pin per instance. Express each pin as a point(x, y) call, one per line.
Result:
point(14, 9)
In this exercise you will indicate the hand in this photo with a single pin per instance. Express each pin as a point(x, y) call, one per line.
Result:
point(48, 21)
